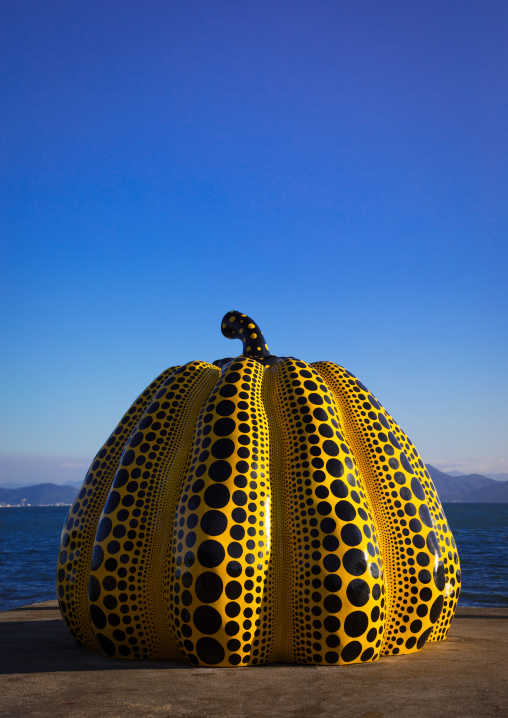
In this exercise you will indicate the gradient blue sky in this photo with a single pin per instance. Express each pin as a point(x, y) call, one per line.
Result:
point(337, 170)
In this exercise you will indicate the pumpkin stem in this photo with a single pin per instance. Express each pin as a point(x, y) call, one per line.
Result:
point(239, 326)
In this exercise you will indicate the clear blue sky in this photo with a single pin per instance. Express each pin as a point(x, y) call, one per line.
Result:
point(338, 170)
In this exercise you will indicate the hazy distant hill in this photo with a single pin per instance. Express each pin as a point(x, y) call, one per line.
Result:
point(471, 488)
point(39, 495)
point(497, 477)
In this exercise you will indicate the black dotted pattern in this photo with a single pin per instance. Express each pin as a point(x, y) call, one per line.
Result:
point(420, 577)
point(127, 610)
point(73, 571)
point(260, 509)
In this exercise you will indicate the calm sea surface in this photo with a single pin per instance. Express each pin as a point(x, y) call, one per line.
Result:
point(30, 536)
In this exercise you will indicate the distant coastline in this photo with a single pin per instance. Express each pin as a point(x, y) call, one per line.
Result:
point(470, 488)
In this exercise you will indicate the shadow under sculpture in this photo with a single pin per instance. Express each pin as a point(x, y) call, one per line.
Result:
point(255, 510)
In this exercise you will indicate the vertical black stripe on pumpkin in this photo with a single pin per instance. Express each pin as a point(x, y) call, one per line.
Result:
point(335, 582)
point(222, 594)
point(399, 505)
point(78, 534)
point(132, 538)
point(443, 537)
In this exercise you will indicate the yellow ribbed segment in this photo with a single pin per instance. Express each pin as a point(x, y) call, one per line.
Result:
point(410, 547)
point(448, 548)
point(334, 579)
point(78, 535)
point(127, 609)
point(220, 590)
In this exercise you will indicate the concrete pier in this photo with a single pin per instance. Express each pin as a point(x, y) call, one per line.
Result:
point(43, 672)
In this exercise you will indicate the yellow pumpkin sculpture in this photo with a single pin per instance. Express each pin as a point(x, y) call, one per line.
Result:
point(253, 510)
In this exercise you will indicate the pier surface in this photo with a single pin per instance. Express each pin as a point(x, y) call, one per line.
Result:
point(43, 672)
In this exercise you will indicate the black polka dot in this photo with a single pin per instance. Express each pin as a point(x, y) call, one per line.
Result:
point(339, 489)
point(232, 377)
point(332, 604)
point(232, 609)
point(356, 624)
point(207, 619)
point(104, 529)
point(345, 511)
point(214, 523)
point(210, 651)
point(224, 427)
point(217, 496)
point(94, 589)
point(405, 463)
point(128, 458)
point(335, 467)
point(426, 594)
point(208, 587)
point(358, 592)
point(233, 590)
point(432, 543)
point(410, 509)
point(328, 525)
point(424, 576)
point(232, 628)
point(330, 543)
point(423, 638)
point(239, 498)
point(97, 558)
point(235, 549)
point(331, 448)
point(220, 470)
point(415, 527)
point(355, 562)
point(351, 651)
point(367, 655)
point(415, 626)
point(113, 501)
point(324, 508)
point(417, 489)
point(422, 559)
point(351, 535)
point(331, 624)
point(98, 616)
point(332, 582)
point(436, 609)
point(331, 562)
point(234, 569)
point(223, 448)
point(424, 515)
point(225, 408)
point(238, 515)
point(211, 553)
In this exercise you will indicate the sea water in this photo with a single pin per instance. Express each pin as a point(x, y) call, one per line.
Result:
point(30, 538)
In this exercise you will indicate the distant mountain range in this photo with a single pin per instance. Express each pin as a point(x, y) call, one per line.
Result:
point(39, 495)
point(470, 488)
